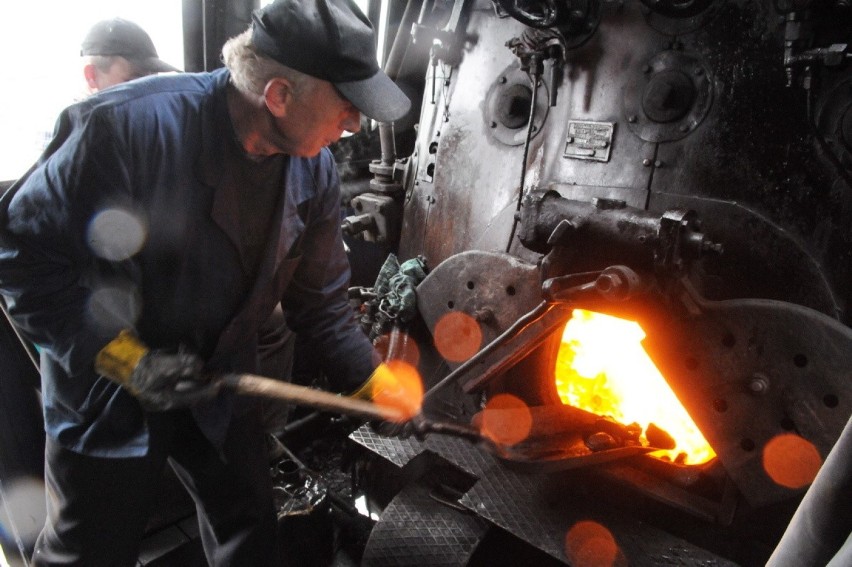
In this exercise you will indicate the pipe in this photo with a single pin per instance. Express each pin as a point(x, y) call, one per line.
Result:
point(535, 75)
point(393, 64)
point(392, 68)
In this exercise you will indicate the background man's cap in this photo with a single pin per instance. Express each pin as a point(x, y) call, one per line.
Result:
point(127, 39)
point(334, 41)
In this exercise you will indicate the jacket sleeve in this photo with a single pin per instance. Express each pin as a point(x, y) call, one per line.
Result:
point(57, 288)
point(317, 302)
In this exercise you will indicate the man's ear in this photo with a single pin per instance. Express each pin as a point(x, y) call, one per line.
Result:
point(278, 96)
point(90, 72)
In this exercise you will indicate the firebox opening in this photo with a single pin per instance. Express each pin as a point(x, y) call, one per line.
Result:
point(601, 367)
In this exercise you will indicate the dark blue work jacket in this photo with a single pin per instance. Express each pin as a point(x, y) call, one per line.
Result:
point(131, 220)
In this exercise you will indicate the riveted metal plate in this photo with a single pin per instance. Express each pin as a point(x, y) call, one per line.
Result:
point(507, 106)
point(687, 67)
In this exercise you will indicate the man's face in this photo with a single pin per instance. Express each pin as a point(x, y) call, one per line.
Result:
point(315, 119)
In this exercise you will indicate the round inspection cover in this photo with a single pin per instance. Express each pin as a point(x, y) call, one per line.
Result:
point(668, 97)
point(507, 107)
point(834, 119)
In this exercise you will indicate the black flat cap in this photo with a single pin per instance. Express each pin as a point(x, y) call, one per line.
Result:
point(127, 39)
point(334, 41)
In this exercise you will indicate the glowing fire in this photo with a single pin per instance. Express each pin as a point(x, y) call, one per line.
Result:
point(602, 368)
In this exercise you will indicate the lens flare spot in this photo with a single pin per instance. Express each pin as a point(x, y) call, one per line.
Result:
point(398, 385)
point(116, 234)
point(589, 544)
point(791, 461)
point(112, 308)
point(494, 425)
point(457, 336)
point(24, 498)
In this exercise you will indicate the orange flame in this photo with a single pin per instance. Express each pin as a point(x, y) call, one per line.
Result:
point(601, 367)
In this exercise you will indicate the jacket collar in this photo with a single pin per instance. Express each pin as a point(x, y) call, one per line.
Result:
point(217, 130)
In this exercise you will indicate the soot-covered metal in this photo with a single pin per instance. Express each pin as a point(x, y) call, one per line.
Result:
point(684, 165)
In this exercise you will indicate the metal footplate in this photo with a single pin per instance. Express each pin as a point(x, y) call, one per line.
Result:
point(417, 530)
point(533, 507)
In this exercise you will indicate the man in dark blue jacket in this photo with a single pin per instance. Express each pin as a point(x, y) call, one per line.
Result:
point(163, 224)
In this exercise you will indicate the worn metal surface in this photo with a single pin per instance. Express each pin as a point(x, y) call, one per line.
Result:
point(586, 236)
point(750, 370)
point(415, 529)
point(721, 107)
point(715, 358)
point(507, 106)
point(715, 129)
point(755, 170)
point(497, 291)
point(524, 504)
point(466, 185)
point(668, 96)
point(746, 370)
point(495, 288)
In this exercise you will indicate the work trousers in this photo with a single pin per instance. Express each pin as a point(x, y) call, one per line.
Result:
point(97, 508)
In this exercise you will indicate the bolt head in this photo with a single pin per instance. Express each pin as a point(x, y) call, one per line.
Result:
point(758, 384)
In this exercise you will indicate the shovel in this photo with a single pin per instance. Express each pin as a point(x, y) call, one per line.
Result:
point(555, 443)
point(251, 385)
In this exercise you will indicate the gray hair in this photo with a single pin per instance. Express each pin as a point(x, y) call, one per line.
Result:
point(251, 70)
point(103, 63)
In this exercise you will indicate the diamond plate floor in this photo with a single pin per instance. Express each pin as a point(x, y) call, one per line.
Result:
point(417, 530)
point(524, 505)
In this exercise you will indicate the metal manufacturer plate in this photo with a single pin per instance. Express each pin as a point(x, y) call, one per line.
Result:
point(589, 140)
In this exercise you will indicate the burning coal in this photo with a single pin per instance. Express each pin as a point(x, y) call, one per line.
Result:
point(602, 368)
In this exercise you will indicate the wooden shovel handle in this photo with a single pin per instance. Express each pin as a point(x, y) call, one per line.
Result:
point(252, 385)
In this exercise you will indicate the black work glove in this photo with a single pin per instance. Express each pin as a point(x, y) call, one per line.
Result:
point(160, 381)
point(163, 381)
